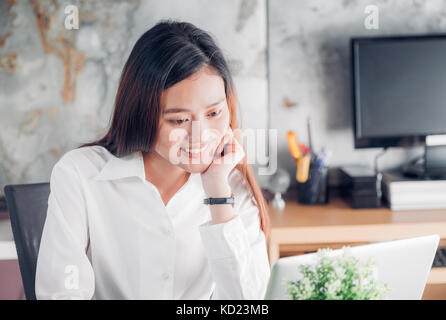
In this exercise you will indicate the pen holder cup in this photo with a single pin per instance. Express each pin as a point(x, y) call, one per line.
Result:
point(315, 189)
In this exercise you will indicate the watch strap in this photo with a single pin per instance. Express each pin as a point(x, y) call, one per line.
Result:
point(225, 200)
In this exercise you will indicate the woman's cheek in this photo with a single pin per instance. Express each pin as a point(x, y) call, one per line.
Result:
point(166, 148)
point(170, 139)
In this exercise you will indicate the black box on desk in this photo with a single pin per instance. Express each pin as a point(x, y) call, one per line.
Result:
point(360, 186)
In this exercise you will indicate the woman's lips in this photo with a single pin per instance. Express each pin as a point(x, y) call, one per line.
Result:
point(194, 153)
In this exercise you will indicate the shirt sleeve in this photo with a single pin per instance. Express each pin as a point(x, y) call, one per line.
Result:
point(237, 252)
point(63, 269)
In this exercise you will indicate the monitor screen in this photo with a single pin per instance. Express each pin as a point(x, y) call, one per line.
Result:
point(399, 88)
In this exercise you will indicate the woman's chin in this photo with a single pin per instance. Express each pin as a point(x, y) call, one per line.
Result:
point(195, 167)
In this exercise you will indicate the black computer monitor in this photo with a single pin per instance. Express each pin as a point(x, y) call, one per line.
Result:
point(399, 90)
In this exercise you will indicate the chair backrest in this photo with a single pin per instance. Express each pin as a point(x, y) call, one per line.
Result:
point(27, 206)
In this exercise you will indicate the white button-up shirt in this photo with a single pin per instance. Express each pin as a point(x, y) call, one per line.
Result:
point(108, 235)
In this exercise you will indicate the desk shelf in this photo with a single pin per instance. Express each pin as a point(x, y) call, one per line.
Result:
point(437, 276)
point(337, 223)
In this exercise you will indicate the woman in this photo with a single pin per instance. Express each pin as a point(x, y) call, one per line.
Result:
point(126, 214)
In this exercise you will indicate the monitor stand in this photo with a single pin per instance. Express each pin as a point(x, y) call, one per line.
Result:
point(432, 165)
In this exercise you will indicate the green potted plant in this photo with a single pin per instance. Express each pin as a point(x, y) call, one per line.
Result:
point(341, 277)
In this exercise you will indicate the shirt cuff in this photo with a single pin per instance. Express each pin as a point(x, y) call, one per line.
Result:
point(224, 240)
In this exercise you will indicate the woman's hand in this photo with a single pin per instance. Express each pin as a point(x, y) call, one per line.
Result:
point(215, 178)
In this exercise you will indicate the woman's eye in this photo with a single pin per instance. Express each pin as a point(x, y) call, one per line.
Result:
point(178, 122)
point(215, 113)
point(181, 121)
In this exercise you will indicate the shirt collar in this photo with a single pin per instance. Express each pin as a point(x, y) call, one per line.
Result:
point(131, 165)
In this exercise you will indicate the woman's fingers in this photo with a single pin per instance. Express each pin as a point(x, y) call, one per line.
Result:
point(226, 139)
point(234, 152)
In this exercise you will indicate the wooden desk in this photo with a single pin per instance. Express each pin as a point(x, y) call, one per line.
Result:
point(305, 228)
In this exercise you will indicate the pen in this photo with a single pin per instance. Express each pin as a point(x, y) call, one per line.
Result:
point(303, 167)
point(293, 145)
point(302, 160)
point(310, 142)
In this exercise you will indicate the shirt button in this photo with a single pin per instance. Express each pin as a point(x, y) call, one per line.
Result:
point(166, 231)
point(166, 275)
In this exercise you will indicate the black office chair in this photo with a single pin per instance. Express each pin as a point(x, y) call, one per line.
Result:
point(27, 205)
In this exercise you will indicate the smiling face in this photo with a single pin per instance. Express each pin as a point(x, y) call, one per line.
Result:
point(195, 116)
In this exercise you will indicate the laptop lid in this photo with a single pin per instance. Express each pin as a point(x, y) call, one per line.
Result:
point(403, 264)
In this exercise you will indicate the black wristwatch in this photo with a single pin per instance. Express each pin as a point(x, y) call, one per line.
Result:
point(228, 200)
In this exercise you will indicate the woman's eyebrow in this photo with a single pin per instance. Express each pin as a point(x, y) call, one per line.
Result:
point(175, 109)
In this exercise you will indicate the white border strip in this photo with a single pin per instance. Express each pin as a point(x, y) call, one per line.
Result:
point(436, 140)
point(8, 250)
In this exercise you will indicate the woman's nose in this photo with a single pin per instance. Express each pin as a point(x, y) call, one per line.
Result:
point(199, 135)
point(195, 134)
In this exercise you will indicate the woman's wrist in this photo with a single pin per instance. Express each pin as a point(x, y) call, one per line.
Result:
point(218, 191)
point(220, 213)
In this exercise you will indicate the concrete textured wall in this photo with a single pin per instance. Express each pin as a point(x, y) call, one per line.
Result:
point(57, 86)
point(310, 69)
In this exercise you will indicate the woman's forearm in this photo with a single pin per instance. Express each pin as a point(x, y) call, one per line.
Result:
point(221, 213)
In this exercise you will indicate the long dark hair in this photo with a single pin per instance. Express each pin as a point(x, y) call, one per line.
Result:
point(166, 54)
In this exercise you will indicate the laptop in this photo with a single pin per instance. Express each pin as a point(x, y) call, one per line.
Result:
point(403, 264)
